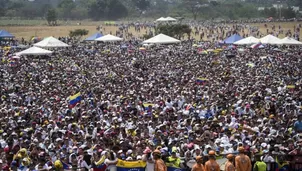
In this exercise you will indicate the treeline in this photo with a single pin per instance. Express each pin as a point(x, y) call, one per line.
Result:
point(119, 9)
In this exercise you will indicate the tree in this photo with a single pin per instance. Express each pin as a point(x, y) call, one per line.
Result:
point(288, 13)
point(65, 8)
point(194, 6)
point(51, 17)
point(109, 9)
point(174, 30)
point(78, 33)
point(141, 5)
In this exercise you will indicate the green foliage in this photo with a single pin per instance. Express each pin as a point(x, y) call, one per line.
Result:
point(78, 33)
point(109, 9)
point(51, 17)
point(65, 7)
point(194, 6)
point(141, 5)
point(174, 30)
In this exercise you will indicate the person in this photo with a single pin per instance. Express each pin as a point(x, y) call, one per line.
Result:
point(198, 166)
point(173, 160)
point(298, 124)
point(242, 161)
point(111, 161)
point(259, 165)
point(229, 166)
point(159, 163)
point(212, 164)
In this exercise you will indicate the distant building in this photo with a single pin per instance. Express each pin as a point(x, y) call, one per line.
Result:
point(296, 9)
point(277, 5)
point(261, 8)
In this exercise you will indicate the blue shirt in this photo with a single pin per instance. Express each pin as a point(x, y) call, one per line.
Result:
point(298, 126)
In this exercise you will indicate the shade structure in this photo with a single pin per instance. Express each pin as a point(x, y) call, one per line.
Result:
point(270, 39)
point(289, 41)
point(170, 19)
point(232, 39)
point(34, 51)
point(93, 37)
point(6, 34)
point(109, 38)
point(51, 42)
point(161, 19)
point(162, 39)
point(247, 41)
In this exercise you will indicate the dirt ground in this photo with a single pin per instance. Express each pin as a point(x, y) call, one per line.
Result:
point(27, 32)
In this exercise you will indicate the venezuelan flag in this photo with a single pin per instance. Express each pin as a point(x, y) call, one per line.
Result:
point(100, 165)
point(282, 166)
point(290, 86)
point(74, 100)
point(65, 165)
point(170, 168)
point(147, 105)
point(201, 80)
point(131, 165)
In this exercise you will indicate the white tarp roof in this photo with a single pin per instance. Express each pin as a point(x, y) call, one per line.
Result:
point(162, 39)
point(34, 51)
point(290, 41)
point(161, 19)
point(270, 39)
point(109, 38)
point(170, 19)
point(166, 19)
point(51, 42)
point(247, 41)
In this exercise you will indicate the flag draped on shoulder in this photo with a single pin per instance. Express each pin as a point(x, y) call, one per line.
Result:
point(131, 165)
point(100, 165)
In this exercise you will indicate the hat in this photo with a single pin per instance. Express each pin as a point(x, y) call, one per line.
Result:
point(230, 156)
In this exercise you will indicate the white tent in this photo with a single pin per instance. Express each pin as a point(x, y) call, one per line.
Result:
point(269, 39)
point(247, 41)
point(161, 19)
point(289, 41)
point(170, 19)
point(161, 39)
point(34, 51)
point(51, 42)
point(109, 38)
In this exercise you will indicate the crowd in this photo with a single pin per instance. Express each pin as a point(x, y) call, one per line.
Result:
point(168, 106)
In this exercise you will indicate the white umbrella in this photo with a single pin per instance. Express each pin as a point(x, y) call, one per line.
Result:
point(109, 38)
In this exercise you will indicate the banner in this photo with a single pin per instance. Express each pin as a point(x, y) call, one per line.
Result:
point(130, 165)
point(174, 169)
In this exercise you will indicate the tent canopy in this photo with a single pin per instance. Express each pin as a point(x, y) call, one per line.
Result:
point(247, 41)
point(93, 37)
point(166, 19)
point(270, 39)
point(51, 42)
point(161, 39)
point(6, 34)
point(232, 39)
point(34, 51)
point(289, 41)
point(109, 38)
